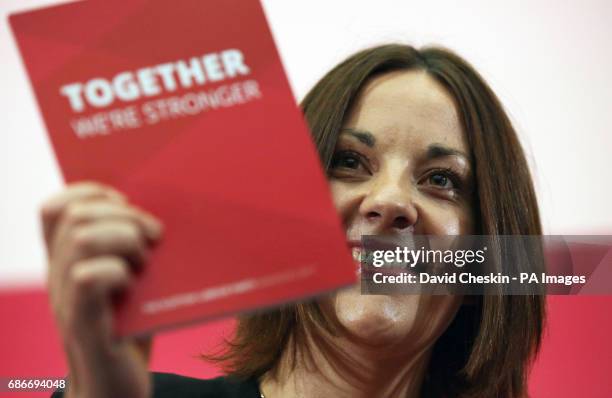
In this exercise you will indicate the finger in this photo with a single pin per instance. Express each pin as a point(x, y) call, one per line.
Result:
point(80, 213)
point(89, 286)
point(52, 208)
point(108, 237)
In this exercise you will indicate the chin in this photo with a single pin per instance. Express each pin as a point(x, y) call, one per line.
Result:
point(375, 319)
point(412, 321)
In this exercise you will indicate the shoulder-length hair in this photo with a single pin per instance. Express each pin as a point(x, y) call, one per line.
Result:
point(487, 349)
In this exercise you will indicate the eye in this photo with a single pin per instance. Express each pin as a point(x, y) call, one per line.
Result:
point(441, 180)
point(348, 161)
point(345, 159)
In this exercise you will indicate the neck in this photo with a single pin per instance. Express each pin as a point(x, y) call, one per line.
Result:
point(343, 368)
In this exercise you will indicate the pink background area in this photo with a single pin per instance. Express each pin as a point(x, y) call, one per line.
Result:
point(574, 362)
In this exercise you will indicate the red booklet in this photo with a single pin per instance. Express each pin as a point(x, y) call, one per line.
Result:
point(185, 107)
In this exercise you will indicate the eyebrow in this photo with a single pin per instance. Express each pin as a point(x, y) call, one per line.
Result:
point(363, 136)
point(435, 151)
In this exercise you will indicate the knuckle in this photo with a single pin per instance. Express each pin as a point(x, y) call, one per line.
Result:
point(129, 233)
point(90, 185)
point(81, 280)
point(120, 209)
point(132, 231)
point(75, 214)
point(81, 239)
point(97, 188)
point(112, 262)
point(122, 270)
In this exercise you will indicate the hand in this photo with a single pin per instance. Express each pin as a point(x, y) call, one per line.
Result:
point(95, 241)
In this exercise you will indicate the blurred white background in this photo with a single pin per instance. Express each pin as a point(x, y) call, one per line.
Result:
point(549, 62)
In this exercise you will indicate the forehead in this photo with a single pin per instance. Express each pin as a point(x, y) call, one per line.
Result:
point(407, 108)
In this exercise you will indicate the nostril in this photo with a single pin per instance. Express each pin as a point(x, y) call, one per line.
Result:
point(372, 214)
point(401, 223)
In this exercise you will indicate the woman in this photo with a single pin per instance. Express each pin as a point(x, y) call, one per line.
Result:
point(414, 142)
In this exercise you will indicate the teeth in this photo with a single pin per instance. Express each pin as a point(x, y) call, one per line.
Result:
point(357, 258)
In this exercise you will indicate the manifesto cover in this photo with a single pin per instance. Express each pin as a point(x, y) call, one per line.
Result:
point(185, 107)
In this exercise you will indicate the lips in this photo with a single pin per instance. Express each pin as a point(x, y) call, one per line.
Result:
point(367, 271)
point(357, 254)
point(364, 268)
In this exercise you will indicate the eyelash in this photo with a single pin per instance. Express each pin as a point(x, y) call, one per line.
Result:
point(449, 173)
point(363, 160)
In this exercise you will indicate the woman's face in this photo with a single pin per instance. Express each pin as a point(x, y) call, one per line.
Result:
point(401, 167)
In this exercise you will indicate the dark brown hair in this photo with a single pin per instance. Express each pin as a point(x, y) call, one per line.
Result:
point(487, 349)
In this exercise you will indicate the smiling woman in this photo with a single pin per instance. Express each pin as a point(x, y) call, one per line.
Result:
point(414, 143)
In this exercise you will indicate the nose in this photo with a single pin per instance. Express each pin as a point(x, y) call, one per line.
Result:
point(389, 207)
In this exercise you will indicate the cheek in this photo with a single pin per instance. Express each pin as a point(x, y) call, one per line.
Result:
point(445, 219)
point(435, 217)
point(344, 198)
point(338, 192)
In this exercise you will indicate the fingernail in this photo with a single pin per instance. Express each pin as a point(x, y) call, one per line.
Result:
point(156, 227)
point(117, 195)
